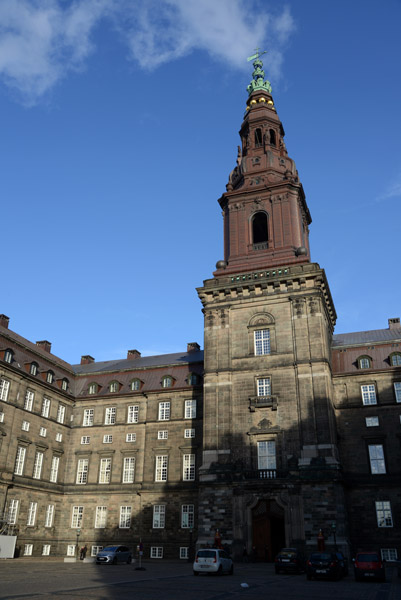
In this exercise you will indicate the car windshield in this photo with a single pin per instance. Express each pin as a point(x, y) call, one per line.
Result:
point(320, 557)
point(367, 558)
point(110, 549)
point(207, 553)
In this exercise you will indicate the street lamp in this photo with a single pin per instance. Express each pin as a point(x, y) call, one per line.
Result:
point(78, 534)
point(334, 529)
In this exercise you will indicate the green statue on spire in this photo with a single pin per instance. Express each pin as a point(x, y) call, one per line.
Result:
point(258, 76)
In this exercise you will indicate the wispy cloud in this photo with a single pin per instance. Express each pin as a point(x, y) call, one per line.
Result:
point(393, 191)
point(41, 41)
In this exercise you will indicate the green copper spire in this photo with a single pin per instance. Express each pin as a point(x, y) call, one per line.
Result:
point(258, 76)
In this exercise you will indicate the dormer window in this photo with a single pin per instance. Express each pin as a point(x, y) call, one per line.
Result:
point(64, 384)
point(8, 356)
point(92, 389)
point(193, 379)
point(395, 359)
point(364, 362)
point(258, 138)
point(135, 385)
point(33, 369)
point(114, 386)
point(49, 377)
point(167, 381)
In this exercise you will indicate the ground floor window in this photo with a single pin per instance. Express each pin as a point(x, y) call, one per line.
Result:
point(389, 554)
point(156, 552)
point(46, 550)
point(95, 550)
point(71, 550)
point(28, 549)
point(184, 552)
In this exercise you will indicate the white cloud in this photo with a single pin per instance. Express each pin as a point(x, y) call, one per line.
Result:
point(42, 40)
point(393, 191)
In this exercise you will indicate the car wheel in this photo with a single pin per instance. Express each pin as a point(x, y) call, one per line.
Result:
point(220, 570)
point(129, 560)
point(114, 560)
point(196, 572)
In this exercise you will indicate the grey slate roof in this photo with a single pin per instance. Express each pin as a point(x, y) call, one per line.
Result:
point(366, 337)
point(140, 363)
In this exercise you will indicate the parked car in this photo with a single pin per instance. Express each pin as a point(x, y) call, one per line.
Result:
point(369, 565)
point(114, 555)
point(289, 560)
point(212, 560)
point(327, 565)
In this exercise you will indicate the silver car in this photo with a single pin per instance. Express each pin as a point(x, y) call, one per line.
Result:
point(113, 555)
point(212, 560)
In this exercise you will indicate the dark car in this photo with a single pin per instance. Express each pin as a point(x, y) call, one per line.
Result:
point(289, 560)
point(326, 565)
point(113, 555)
point(369, 565)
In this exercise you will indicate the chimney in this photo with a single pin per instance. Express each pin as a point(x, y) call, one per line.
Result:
point(87, 359)
point(4, 321)
point(193, 347)
point(45, 345)
point(394, 323)
point(133, 354)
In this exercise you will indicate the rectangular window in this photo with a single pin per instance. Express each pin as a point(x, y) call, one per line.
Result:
point(130, 437)
point(372, 421)
point(105, 470)
point(133, 414)
point(125, 517)
point(190, 409)
point(95, 550)
point(33, 507)
point(88, 417)
point(389, 554)
point(376, 457)
point(264, 387)
point(4, 387)
point(187, 516)
point(77, 516)
point(107, 439)
point(162, 435)
point(37, 465)
point(267, 455)
point(59, 437)
point(159, 516)
point(383, 513)
point(368, 394)
point(45, 408)
point(46, 550)
point(1, 417)
point(25, 425)
point(184, 552)
point(43, 432)
point(397, 391)
point(164, 411)
point(19, 461)
point(28, 548)
point(262, 341)
point(54, 469)
point(28, 402)
point(161, 468)
point(60, 413)
point(189, 433)
point(129, 469)
point(49, 515)
point(71, 550)
point(156, 552)
point(110, 416)
point(100, 517)
point(82, 471)
point(85, 439)
point(188, 472)
point(12, 512)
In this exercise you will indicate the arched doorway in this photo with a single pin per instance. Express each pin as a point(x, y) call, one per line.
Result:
point(268, 531)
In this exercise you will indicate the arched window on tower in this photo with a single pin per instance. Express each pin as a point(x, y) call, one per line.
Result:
point(272, 137)
point(259, 231)
point(258, 138)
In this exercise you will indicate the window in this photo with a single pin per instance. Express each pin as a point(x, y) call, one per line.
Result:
point(12, 512)
point(129, 469)
point(193, 379)
point(49, 377)
point(184, 552)
point(135, 385)
point(37, 465)
point(189, 433)
point(49, 515)
point(54, 469)
point(395, 360)
point(1, 416)
point(59, 437)
point(130, 437)
point(64, 385)
point(77, 517)
point(28, 402)
point(383, 513)
point(267, 455)
point(258, 138)
point(82, 471)
point(372, 421)
point(364, 362)
point(167, 381)
point(95, 550)
point(162, 435)
point(19, 461)
point(397, 391)
point(4, 387)
point(133, 414)
point(92, 389)
point(259, 231)
point(33, 507)
point(105, 470)
point(272, 135)
point(262, 341)
point(43, 432)
point(88, 417)
point(376, 457)
point(60, 413)
point(46, 550)
point(188, 472)
point(107, 439)
point(156, 552)
point(125, 517)
point(368, 394)
point(33, 369)
point(159, 516)
point(110, 416)
point(45, 408)
point(25, 426)
point(28, 548)
point(190, 409)
point(264, 386)
point(71, 550)
point(100, 517)
point(164, 411)
point(114, 386)
point(161, 468)
point(8, 356)
point(389, 554)
point(85, 439)
point(187, 516)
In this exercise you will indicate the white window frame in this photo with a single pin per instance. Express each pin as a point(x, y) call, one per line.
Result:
point(261, 338)
point(54, 467)
point(19, 460)
point(135, 385)
point(129, 469)
point(397, 391)
point(125, 517)
point(133, 413)
point(45, 407)
point(368, 392)
point(114, 387)
point(372, 421)
point(88, 417)
point(25, 425)
point(4, 389)
point(49, 516)
point(71, 549)
point(82, 471)
point(184, 552)
point(77, 515)
point(1, 416)
point(167, 381)
point(13, 511)
point(28, 402)
point(108, 438)
point(100, 517)
point(8, 356)
point(188, 467)
point(389, 554)
point(383, 513)
point(364, 362)
point(187, 516)
point(267, 455)
point(60, 413)
point(156, 552)
point(43, 432)
point(28, 549)
point(105, 470)
point(162, 434)
point(376, 459)
point(264, 387)
point(92, 389)
point(161, 467)
point(164, 411)
point(95, 550)
point(189, 433)
point(59, 437)
point(130, 437)
point(46, 549)
point(49, 377)
point(190, 409)
point(37, 465)
point(64, 384)
point(85, 439)
point(110, 415)
point(32, 510)
point(159, 516)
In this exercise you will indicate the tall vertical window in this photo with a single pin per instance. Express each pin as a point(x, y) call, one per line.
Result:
point(368, 394)
point(64, 384)
point(396, 360)
point(133, 414)
point(110, 416)
point(190, 409)
point(188, 472)
point(100, 517)
point(46, 550)
point(28, 549)
point(105, 470)
point(129, 469)
point(4, 387)
point(262, 341)
point(376, 457)
point(135, 385)
point(164, 411)
point(12, 512)
point(167, 381)
point(260, 231)
point(187, 516)
point(77, 516)
point(364, 362)
point(159, 516)
point(60, 413)
point(54, 469)
point(161, 468)
point(49, 377)
point(37, 465)
point(19, 460)
point(125, 517)
point(82, 471)
point(87, 420)
point(8, 356)
point(33, 507)
point(25, 425)
point(397, 391)
point(383, 513)
point(267, 455)
point(49, 515)
point(28, 402)
point(43, 431)
point(45, 408)
point(264, 386)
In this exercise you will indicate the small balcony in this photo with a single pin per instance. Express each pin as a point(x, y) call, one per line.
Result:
point(266, 474)
point(260, 246)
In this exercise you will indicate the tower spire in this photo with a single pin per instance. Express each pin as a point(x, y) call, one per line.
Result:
point(258, 76)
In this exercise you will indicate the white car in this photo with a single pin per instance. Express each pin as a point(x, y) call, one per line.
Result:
point(212, 560)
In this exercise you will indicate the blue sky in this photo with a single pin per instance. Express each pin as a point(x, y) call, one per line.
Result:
point(120, 124)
